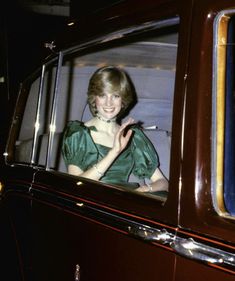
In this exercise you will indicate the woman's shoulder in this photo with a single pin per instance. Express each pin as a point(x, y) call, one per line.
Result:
point(140, 138)
point(138, 131)
point(75, 127)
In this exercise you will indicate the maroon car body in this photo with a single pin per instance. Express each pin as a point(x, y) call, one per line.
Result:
point(63, 227)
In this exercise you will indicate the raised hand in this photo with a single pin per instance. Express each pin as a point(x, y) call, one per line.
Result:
point(121, 140)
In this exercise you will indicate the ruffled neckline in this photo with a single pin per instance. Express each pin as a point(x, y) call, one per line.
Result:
point(93, 128)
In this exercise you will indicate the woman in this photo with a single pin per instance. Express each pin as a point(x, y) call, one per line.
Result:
point(101, 149)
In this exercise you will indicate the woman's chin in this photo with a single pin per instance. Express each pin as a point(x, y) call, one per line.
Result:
point(109, 116)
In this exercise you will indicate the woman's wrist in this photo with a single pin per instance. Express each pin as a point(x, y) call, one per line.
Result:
point(145, 188)
point(101, 167)
point(98, 171)
point(150, 188)
point(112, 153)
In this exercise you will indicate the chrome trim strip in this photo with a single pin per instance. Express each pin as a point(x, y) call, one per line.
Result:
point(53, 112)
point(213, 125)
point(149, 233)
point(189, 248)
point(37, 121)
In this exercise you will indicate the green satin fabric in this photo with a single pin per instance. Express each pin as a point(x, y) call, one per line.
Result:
point(139, 158)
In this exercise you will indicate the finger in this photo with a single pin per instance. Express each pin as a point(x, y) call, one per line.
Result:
point(128, 134)
point(128, 122)
point(124, 127)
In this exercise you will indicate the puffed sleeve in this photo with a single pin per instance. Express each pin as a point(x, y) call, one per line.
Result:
point(145, 156)
point(77, 147)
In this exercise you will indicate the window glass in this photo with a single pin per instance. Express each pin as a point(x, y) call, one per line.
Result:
point(224, 114)
point(23, 145)
point(31, 144)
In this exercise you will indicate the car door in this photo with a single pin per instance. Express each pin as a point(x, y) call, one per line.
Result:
point(91, 230)
point(15, 197)
point(206, 233)
point(84, 229)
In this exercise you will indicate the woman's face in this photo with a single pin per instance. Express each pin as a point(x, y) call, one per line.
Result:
point(108, 105)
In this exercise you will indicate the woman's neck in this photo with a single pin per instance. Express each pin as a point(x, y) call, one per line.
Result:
point(109, 126)
point(106, 120)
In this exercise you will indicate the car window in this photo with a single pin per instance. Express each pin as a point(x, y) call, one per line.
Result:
point(224, 114)
point(150, 61)
point(31, 143)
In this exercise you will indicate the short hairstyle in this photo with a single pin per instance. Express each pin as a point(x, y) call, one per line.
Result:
point(113, 80)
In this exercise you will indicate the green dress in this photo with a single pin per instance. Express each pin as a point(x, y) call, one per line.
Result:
point(139, 157)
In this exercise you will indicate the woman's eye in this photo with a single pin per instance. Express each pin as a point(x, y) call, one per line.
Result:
point(116, 96)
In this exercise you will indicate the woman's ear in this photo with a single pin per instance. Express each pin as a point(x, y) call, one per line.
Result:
point(94, 109)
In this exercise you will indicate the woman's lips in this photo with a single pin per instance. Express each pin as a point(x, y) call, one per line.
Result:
point(109, 110)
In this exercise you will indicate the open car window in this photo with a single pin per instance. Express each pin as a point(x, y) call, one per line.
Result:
point(59, 95)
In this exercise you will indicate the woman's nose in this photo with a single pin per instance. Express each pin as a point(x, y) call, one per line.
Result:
point(109, 100)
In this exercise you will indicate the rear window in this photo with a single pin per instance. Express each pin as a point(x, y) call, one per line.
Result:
point(224, 113)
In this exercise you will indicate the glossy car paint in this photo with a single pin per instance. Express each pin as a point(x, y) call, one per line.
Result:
point(99, 227)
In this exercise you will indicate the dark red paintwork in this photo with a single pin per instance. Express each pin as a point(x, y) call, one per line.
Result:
point(62, 235)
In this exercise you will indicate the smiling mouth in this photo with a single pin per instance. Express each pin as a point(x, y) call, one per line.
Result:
point(109, 110)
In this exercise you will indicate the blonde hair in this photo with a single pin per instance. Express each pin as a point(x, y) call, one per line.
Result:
point(113, 80)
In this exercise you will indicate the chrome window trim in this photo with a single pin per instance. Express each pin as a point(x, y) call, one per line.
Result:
point(38, 112)
point(52, 125)
point(37, 121)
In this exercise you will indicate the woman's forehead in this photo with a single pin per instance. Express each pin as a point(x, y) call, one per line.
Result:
point(109, 93)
